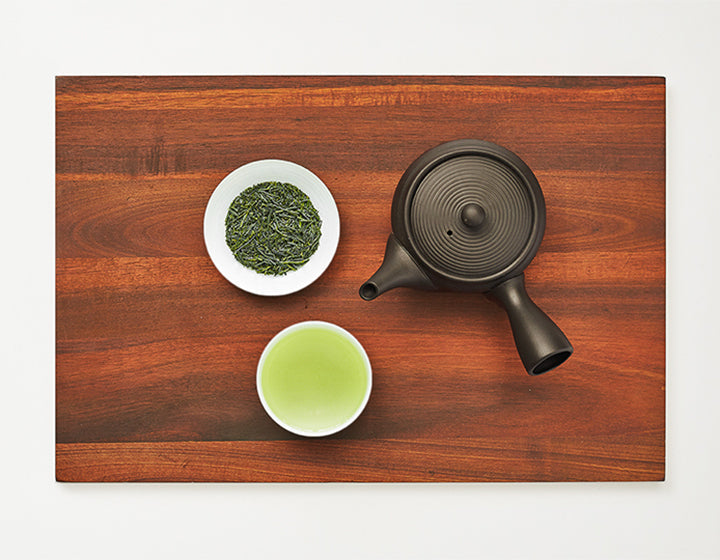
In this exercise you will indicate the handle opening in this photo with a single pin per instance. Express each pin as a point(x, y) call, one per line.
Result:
point(551, 362)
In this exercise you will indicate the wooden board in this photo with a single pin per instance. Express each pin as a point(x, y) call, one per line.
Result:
point(156, 352)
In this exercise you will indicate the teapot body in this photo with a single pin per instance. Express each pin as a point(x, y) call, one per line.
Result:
point(469, 216)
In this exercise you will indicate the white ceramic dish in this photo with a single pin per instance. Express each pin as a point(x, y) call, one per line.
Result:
point(251, 174)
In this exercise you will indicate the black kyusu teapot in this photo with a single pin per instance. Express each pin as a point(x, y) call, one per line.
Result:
point(469, 215)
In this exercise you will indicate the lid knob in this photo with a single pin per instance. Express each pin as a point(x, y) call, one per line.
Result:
point(472, 215)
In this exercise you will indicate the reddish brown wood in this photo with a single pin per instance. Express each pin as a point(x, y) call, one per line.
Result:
point(156, 352)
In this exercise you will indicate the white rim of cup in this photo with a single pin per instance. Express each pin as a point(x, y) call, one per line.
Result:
point(299, 326)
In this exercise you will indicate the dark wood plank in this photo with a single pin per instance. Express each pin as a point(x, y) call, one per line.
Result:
point(156, 352)
point(377, 460)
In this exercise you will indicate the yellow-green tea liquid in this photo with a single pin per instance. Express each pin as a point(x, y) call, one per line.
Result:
point(314, 379)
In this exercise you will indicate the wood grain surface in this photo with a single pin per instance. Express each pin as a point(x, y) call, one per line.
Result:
point(156, 352)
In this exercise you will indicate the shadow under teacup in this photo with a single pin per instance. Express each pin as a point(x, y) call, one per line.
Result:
point(314, 378)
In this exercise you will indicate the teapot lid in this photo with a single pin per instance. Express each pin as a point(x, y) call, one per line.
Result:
point(471, 211)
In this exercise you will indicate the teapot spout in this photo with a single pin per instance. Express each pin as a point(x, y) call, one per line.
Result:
point(398, 269)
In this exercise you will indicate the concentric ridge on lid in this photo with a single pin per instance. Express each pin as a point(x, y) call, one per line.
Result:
point(482, 246)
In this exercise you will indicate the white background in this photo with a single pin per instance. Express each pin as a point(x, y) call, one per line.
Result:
point(679, 518)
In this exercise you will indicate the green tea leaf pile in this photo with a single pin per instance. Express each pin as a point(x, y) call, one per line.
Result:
point(272, 228)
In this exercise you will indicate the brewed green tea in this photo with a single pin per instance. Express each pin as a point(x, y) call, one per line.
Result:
point(314, 379)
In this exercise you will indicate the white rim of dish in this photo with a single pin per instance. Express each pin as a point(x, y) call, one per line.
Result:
point(247, 279)
point(299, 326)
